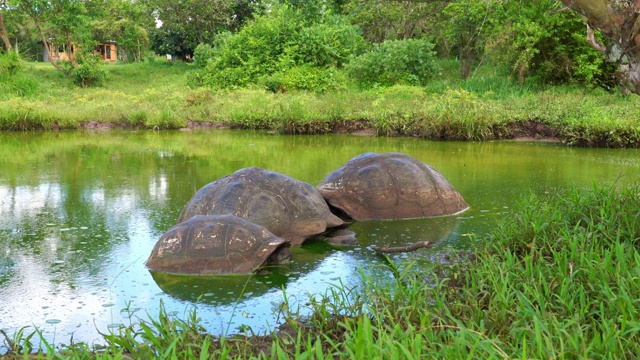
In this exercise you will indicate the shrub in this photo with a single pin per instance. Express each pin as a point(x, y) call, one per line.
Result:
point(410, 62)
point(12, 80)
point(536, 40)
point(266, 49)
point(328, 44)
point(202, 54)
point(305, 77)
point(252, 52)
point(89, 71)
point(10, 63)
point(22, 85)
point(564, 56)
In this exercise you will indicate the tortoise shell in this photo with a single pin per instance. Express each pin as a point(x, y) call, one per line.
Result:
point(215, 245)
point(287, 207)
point(390, 186)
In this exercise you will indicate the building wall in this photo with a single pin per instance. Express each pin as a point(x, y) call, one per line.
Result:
point(108, 51)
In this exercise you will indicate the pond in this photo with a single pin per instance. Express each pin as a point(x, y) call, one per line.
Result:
point(81, 211)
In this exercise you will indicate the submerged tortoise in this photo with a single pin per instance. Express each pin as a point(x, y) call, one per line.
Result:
point(216, 245)
point(287, 207)
point(390, 186)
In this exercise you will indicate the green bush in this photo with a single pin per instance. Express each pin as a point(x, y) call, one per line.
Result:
point(411, 62)
point(22, 85)
point(12, 80)
point(89, 71)
point(563, 56)
point(10, 63)
point(266, 49)
point(305, 77)
point(327, 44)
point(254, 51)
point(537, 41)
point(202, 54)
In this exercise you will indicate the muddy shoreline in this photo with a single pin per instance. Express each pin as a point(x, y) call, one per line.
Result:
point(527, 131)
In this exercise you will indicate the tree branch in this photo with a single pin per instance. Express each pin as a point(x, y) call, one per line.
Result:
point(591, 39)
point(398, 249)
point(47, 47)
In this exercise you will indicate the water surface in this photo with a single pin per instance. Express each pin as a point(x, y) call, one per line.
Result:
point(81, 211)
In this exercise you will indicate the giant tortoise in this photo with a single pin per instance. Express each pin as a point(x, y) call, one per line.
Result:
point(390, 186)
point(216, 245)
point(289, 208)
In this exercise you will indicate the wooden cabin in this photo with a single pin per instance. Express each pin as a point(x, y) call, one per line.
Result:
point(106, 49)
point(57, 52)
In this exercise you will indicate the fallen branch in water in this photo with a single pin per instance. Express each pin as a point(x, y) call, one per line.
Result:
point(398, 249)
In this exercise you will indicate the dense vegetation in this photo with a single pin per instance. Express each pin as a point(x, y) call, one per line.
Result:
point(556, 280)
point(266, 43)
point(155, 95)
point(464, 70)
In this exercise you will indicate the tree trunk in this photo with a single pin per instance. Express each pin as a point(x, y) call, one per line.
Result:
point(618, 21)
point(465, 59)
point(47, 47)
point(71, 49)
point(3, 33)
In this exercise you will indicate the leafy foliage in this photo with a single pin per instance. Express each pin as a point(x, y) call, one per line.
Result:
point(382, 20)
point(89, 71)
point(535, 39)
point(12, 79)
point(469, 27)
point(277, 49)
point(563, 56)
point(305, 77)
point(395, 62)
point(175, 42)
point(125, 22)
point(331, 43)
point(185, 24)
point(10, 63)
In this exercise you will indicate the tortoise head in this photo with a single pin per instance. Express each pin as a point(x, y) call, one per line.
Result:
point(280, 255)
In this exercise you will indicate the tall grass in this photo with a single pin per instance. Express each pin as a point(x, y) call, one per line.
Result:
point(155, 95)
point(560, 279)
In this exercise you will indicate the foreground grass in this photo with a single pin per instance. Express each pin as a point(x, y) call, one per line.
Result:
point(488, 106)
point(560, 279)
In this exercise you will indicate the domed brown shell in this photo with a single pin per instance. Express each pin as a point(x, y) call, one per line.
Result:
point(289, 208)
point(214, 245)
point(390, 186)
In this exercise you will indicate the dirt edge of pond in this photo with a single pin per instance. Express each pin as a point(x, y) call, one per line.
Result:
point(515, 131)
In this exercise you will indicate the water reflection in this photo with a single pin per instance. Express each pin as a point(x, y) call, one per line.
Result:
point(231, 288)
point(80, 213)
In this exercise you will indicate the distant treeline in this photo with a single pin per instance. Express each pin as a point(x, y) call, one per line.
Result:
point(317, 45)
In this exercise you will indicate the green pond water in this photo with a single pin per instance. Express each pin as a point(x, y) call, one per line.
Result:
point(81, 211)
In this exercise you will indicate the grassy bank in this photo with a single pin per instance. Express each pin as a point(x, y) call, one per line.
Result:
point(488, 106)
point(560, 279)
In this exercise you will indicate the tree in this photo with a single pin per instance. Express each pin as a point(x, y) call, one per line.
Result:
point(3, 29)
point(58, 20)
point(468, 29)
point(176, 42)
point(65, 23)
point(192, 22)
point(619, 22)
point(126, 22)
point(382, 20)
point(533, 38)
